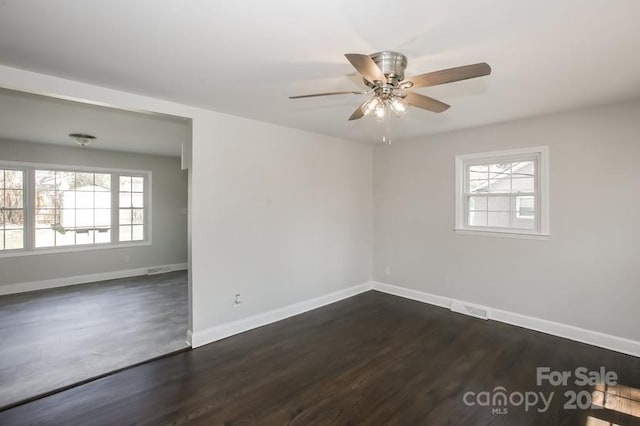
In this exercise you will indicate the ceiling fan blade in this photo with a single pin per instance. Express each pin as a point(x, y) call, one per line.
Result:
point(353, 92)
point(450, 75)
point(425, 102)
point(357, 114)
point(365, 66)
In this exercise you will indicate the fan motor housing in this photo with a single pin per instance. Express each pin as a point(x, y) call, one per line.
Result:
point(392, 65)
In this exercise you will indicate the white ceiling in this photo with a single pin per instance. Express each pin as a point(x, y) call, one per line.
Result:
point(41, 119)
point(246, 57)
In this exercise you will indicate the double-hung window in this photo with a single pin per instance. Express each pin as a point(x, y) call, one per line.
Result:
point(46, 208)
point(503, 193)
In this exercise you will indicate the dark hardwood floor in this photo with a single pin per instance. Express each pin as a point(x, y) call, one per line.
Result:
point(372, 359)
point(55, 338)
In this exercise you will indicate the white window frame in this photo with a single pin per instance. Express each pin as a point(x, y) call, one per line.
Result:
point(29, 208)
point(541, 155)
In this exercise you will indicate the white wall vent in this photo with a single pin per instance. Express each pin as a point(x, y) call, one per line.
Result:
point(471, 310)
point(158, 270)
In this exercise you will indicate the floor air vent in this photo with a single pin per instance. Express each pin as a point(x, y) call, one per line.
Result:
point(474, 311)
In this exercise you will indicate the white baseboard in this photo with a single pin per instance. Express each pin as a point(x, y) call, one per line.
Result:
point(212, 334)
point(595, 338)
point(81, 279)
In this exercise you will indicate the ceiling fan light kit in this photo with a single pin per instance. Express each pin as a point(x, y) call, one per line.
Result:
point(383, 73)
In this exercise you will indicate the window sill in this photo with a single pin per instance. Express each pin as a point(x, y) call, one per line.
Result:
point(504, 234)
point(71, 249)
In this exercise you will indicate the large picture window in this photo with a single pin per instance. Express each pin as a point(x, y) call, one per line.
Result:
point(503, 192)
point(48, 208)
point(72, 208)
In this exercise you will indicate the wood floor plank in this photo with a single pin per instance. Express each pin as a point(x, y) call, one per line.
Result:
point(372, 359)
point(55, 338)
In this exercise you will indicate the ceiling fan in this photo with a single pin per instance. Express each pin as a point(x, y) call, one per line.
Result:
point(383, 73)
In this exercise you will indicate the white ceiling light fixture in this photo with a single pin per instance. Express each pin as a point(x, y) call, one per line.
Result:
point(82, 139)
point(383, 73)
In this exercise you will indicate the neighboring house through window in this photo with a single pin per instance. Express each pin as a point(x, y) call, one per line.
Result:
point(503, 192)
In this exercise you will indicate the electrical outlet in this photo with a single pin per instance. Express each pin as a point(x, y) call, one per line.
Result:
point(387, 270)
point(238, 300)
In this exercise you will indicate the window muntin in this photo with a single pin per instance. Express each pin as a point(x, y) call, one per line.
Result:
point(494, 192)
point(72, 208)
point(131, 208)
point(12, 226)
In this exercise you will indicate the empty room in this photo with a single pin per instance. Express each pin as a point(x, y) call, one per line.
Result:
point(320, 213)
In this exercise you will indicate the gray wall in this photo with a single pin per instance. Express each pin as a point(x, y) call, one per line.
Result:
point(279, 215)
point(587, 274)
point(169, 221)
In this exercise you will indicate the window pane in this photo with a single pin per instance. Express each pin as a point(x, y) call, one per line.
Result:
point(138, 233)
point(13, 198)
point(125, 199)
point(499, 204)
point(46, 199)
point(13, 219)
point(525, 207)
point(102, 218)
point(102, 236)
point(479, 168)
point(125, 233)
point(137, 200)
point(84, 200)
point(137, 216)
point(477, 218)
point(478, 185)
point(13, 179)
point(13, 239)
point(498, 220)
point(65, 180)
point(523, 169)
point(125, 216)
point(500, 184)
point(137, 184)
point(66, 199)
point(45, 180)
point(66, 239)
point(84, 236)
point(125, 183)
point(45, 218)
point(523, 184)
point(103, 182)
point(523, 222)
point(84, 182)
point(84, 218)
point(45, 238)
point(102, 200)
point(478, 175)
point(1, 237)
point(67, 218)
point(477, 203)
